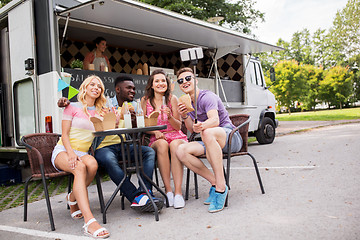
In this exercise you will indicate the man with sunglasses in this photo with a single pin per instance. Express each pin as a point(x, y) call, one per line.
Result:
point(214, 125)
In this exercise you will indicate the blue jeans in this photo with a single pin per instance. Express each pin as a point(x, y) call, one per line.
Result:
point(109, 156)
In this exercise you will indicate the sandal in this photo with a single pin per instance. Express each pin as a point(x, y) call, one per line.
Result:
point(76, 213)
point(96, 233)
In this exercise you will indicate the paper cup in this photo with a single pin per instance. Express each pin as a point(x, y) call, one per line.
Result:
point(66, 77)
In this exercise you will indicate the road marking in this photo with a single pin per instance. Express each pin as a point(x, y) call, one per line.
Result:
point(289, 167)
point(38, 233)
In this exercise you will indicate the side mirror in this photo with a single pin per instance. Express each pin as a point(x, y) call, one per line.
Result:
point(272, 74)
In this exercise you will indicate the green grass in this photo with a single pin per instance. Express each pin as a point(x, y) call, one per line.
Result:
point(321, 115)
point(14, 194)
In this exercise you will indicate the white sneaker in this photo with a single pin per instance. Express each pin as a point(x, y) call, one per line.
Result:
point(170, 197)
point(179, 201)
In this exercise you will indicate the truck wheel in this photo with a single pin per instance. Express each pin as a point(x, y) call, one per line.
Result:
point(266, 133)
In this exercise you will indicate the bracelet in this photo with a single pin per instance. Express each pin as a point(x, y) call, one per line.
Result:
point(186, 117)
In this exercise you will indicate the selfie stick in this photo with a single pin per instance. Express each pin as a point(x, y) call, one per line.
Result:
point(193, 55)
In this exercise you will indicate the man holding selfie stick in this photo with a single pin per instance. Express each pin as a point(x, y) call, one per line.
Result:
point(212, 121)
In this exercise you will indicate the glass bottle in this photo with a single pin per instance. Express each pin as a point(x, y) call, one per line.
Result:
point(127, 115)
point(140, 121)
point(109, 104)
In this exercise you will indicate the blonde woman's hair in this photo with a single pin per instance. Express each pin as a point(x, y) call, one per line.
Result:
point(99, 102)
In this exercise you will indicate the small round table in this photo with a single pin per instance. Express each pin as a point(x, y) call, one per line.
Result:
point(135, 134)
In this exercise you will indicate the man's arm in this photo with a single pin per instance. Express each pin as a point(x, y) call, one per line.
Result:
point(212, 121)
point(187, 119)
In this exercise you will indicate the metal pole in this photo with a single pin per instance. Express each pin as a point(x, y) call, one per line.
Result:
point(195, 100)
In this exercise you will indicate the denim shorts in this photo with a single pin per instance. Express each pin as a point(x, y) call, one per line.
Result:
point(60, 148)
point(236, 142)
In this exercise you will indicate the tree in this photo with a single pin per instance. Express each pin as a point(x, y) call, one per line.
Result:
point(321, 49)
point(290, 83)
point(301, 47)
point(313, 76)
point(4, 2)
point(239, 15)
point(337, 86)
point(345, 33)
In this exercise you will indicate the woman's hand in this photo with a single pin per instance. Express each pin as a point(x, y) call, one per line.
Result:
point(159, 135)
point(165, 110)
point(73, 158)
point(104, 110)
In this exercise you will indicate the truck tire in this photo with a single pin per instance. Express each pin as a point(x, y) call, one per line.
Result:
point(266, 132)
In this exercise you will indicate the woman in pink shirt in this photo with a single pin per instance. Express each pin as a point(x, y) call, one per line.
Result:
point(156, 91)
point(71, 152)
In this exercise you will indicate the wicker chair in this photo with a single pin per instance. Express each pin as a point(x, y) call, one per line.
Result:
point(39, 147)
point(242, 122)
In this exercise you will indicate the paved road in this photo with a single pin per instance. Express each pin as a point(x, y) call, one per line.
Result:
point(286, 127)
point(312, 189)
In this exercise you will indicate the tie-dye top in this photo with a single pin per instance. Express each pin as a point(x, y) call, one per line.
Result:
point(81, 128)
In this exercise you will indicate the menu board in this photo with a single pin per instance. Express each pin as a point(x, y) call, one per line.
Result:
point(108, 78)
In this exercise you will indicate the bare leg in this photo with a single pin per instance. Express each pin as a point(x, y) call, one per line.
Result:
point(214, 140)
point(79, 186)
point(161, 147)
point(91, 168)
point(177, 168)
point(187, 153)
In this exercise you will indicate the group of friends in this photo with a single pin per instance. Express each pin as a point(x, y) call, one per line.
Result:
point(170, 145)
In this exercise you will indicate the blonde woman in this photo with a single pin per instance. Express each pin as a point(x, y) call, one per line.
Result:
point(157, 89)
point(71, 152)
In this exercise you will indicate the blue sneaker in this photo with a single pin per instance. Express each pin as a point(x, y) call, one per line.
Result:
point(211, 196)
point(219, 200)
point(143, 203)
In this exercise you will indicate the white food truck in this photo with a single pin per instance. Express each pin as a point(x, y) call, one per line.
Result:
point(39, 39)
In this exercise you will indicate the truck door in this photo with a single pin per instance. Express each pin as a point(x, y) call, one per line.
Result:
point(257, 93)
point(23, 82)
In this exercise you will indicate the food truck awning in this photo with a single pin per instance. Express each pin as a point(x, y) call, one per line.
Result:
point(136, 25)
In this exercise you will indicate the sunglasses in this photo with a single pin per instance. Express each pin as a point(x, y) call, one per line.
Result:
point(181, 80)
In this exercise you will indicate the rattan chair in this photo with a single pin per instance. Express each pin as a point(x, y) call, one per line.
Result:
point(39, 147)
point(241, 121)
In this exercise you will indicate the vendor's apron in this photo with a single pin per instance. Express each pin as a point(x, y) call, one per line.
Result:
point(100, 63)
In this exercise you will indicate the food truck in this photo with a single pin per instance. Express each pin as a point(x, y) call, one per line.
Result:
point(40, 39)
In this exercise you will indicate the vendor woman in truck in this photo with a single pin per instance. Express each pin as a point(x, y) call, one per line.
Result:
point(97, 57)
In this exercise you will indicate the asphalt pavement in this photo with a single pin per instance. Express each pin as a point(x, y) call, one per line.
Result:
point(311, 182)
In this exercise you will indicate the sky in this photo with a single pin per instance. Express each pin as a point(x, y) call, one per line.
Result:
point(285, 17)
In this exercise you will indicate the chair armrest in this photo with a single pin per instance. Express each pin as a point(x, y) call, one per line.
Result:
point(25, 144)
point(237, 129)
